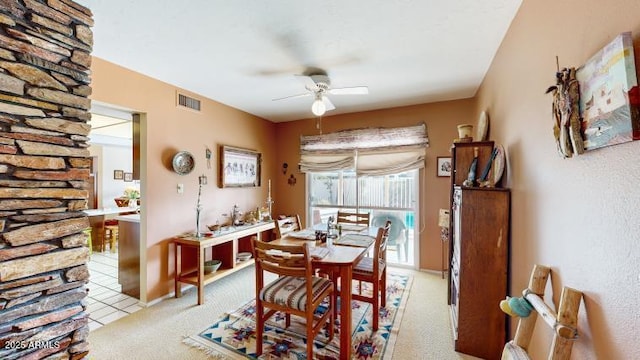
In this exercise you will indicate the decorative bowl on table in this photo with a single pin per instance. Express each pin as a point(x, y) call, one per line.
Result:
point(244, 256)
point(211, 266)
point(122, 202)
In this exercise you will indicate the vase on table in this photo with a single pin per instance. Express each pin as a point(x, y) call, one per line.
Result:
point(133, 203)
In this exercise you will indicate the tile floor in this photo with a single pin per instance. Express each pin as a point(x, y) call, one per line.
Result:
point(106, 302)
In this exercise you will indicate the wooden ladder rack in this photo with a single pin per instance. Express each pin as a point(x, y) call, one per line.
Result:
point(564, 323)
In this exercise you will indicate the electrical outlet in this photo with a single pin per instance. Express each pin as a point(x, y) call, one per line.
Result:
point(180, 188)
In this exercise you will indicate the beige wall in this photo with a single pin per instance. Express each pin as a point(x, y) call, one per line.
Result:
point(580, 216)
point(441, 119)
point(168, 130)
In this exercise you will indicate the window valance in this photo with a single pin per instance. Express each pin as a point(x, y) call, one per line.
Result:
point(370, 151)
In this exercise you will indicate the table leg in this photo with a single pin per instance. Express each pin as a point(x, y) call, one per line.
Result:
point(178, 270)
point(200, 276)
point(345, 311)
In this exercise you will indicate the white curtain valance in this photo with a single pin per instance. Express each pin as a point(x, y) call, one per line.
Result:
point(376, 139)
point(384, 164)
point(312, 163)
point(370, 151)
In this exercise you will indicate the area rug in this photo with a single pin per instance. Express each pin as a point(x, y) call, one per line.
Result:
point(233, 335)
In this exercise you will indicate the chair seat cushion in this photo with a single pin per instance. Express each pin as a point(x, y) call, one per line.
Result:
point(512, 351)
point(365, 267)
point(291, 291)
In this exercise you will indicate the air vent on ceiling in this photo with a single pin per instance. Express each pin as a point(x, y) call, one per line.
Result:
point(188, 102)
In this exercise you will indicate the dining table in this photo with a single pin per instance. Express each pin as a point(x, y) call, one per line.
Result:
point(337, 258)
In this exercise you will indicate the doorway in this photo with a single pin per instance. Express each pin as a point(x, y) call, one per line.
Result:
point(111, 148)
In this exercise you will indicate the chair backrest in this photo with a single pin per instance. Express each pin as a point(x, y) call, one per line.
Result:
point(353, 218)
point(287, 225)
point(285, 260)
point(380, 245)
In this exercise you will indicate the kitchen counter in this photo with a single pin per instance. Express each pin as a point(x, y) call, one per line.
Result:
point(129, 254)
point(97, 217)
point(134, 218)
point(128, 243)
point(109, 211)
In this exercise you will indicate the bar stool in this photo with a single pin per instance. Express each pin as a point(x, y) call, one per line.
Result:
point(110, 234)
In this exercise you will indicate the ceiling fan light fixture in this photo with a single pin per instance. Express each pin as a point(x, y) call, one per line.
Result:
point(318, 108)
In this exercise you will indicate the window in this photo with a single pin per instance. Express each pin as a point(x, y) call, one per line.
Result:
point(391, 197)
point(338, 189)
point(371, 170)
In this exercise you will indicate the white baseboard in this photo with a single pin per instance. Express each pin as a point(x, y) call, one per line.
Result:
point(167, 296)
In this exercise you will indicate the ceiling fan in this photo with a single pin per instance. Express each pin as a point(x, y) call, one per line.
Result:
point(319, 86)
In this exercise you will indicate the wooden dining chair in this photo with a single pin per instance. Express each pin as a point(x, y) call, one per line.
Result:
point(287, 225)
point(345, 217)
point(297, 291)
point(374, 270)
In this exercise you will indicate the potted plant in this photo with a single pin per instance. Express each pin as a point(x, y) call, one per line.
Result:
point(133, 195)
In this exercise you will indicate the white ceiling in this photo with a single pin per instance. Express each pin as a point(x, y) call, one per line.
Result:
point(244, 53)
point(110, 126)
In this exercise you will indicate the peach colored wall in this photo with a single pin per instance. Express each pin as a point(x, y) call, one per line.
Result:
point(168, 129)
point(580, 215)
point(441, 119)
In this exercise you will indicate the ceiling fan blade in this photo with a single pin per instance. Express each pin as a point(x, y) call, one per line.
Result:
point(292, 97)
point(356, 90)
point(308, 82)
point(327, 103)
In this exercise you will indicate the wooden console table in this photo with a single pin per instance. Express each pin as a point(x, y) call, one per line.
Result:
point(225, 246)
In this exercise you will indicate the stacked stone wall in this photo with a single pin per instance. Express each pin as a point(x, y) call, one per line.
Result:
point(45, 57)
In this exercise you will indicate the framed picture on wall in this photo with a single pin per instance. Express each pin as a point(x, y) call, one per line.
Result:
point(444, 166)
point(128, 177)
point(118, 174)
point(609, 95)
point(239, 167)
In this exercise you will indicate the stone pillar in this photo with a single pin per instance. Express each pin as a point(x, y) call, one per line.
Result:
point(45, 57)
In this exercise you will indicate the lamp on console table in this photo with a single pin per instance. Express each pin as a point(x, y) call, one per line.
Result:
point(269, 203)
point(202, 180)
point(443, 222)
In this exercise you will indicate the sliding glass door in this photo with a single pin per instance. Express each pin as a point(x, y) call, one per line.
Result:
point(387, 197)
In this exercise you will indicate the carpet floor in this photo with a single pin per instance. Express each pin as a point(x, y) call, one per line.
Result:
point(157, 332)
point(233, 335)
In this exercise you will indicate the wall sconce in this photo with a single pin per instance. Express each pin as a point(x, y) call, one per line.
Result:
point(292, 180)
point(284, 168)
point(443, 218)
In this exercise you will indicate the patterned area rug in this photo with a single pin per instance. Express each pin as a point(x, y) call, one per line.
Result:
point(233, 335)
